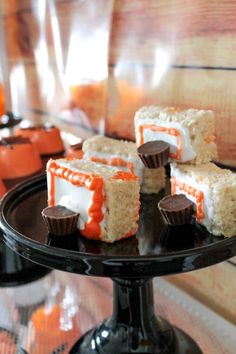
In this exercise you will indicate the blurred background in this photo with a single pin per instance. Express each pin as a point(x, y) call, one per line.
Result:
point(93, 64)
point(87, 66)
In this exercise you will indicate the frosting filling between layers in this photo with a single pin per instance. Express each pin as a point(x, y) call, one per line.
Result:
point(199, 193)
point(79, 199)
point(173, 133)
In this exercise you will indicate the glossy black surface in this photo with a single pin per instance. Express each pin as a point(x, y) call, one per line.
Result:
point(9, 120)
point(155, 250)
point(16, 270)
point(133, 326)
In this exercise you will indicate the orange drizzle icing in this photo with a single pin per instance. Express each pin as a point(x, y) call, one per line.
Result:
point(51, 194)
point(129, 234)
point(114, 161)
point(198, 195)
point(170, 131)
point(125, 176)
point(93, 183)
point(90, 181)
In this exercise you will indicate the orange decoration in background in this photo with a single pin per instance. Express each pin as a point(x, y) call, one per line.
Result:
point(91, 98)
point(198, 195)
point(170, 131)
point(48, 334)
point(124, 99)
point(2, 101)
point(19, 160)
point(48, 141)
point(114, 101)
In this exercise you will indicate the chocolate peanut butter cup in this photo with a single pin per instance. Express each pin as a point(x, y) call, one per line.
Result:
point(77, 146)
point(75, 150)
point(59, 220)
point(176, 209)
point(154, 154)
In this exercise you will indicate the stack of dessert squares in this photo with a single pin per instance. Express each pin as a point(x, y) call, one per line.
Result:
point(191, 135)
point(104, 187)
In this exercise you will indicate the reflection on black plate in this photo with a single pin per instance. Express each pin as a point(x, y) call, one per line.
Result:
point(154, 251)
point(153, 236)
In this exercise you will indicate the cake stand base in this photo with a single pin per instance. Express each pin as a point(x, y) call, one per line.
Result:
point(133, 326)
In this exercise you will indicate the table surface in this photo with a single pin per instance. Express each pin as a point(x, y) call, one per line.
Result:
point(212, 332)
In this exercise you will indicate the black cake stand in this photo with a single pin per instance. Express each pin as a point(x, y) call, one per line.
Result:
point(132, 263)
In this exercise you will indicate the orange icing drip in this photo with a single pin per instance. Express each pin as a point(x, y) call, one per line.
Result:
point(51, 199)
point(198, 195)
point(125, 176)
point(170, 131)
point(90, 181)
point(114, 161)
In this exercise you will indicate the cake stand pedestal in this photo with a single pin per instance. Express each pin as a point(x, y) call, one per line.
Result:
point(131, 264)
point(133, 326)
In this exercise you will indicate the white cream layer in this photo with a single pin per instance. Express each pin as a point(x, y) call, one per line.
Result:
point(75, 198)
point(208, 207)
point(137, 163)
point(188, 152)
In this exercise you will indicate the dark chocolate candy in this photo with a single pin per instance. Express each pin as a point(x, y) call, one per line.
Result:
point(154, 154)
point(59, 220)
point(77, 146)
point(176, 209)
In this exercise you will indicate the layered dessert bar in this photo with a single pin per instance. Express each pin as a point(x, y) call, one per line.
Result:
point(190, 133)
point(123, 155)
point(213, 192)
point(106, 199)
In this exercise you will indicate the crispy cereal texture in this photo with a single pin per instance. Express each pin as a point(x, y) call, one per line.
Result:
point(120, 196)
point(199, 123)
point(153, 180)
point(222, 185)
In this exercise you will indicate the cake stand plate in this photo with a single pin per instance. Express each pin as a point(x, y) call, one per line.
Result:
point(155, 250)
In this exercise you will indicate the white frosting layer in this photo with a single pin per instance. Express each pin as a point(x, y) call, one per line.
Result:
point(137, 163)
point(188, 152)
point(208, 207)
point(75, 198)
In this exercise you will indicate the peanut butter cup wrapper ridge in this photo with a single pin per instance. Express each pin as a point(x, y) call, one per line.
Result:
point(154, 154)
point(61, 226)
point(155, 161)
point(179, 217)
